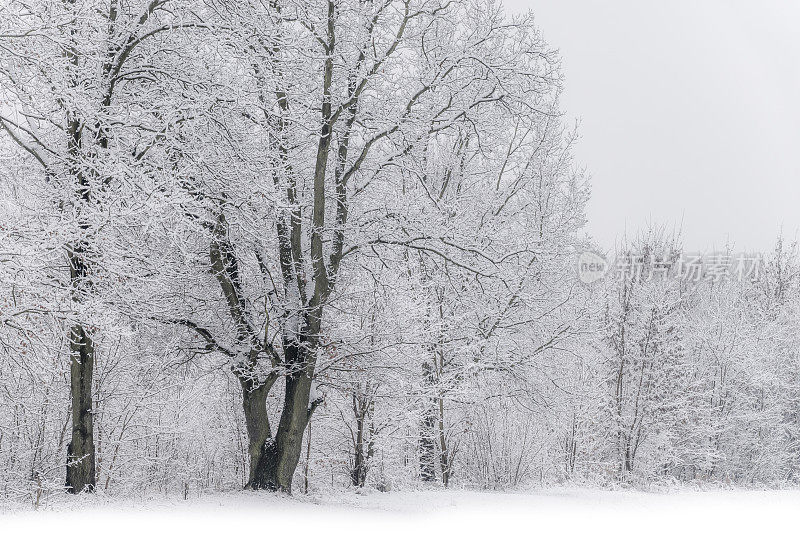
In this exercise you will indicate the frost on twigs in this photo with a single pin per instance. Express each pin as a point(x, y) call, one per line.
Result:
point(338, 240)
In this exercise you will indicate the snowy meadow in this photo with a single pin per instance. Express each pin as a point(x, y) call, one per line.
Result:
point(270, 257)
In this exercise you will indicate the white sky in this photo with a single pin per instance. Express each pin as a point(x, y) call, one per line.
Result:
point(689, 114)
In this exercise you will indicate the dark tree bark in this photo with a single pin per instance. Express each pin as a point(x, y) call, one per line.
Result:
point(80, 451)
point(254, 401)
point(282, 455)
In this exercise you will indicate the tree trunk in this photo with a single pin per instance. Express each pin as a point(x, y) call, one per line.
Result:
point(289, 438)
point(280, 456)
point(80, 451)
point(254, 401)
point(363, 444)
point(81, 474)
point(445, 455)
point(427, 438)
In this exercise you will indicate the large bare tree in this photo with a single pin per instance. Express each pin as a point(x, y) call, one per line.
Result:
point(68, 75)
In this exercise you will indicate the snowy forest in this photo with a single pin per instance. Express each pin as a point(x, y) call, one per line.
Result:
point(323, 245)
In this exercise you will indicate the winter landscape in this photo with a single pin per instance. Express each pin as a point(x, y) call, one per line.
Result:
point(336, 262)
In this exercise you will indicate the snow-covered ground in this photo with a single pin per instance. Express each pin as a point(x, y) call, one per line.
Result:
point(561, 510)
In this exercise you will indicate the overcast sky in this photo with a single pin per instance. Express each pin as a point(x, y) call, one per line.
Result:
point(689, 113)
